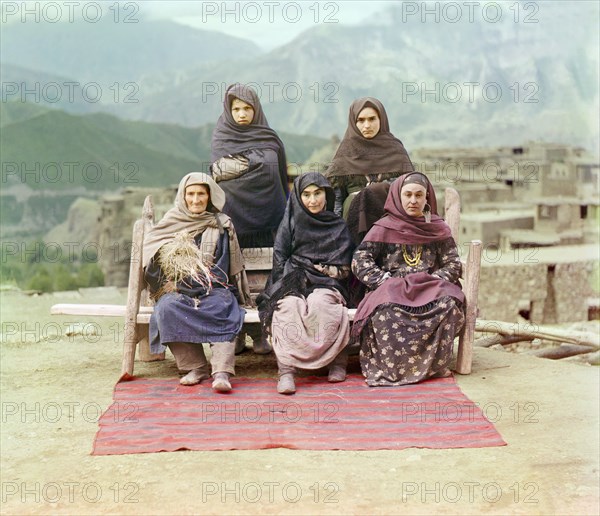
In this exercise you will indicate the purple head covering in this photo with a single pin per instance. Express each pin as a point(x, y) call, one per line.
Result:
point(398, 227)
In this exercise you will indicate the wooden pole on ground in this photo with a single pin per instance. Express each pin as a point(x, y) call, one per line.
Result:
point(533, 331)
point(563, 351)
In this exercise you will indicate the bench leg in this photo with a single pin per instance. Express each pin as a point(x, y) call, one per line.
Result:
point(464, 359)
point(129, 344)
point(143, 347)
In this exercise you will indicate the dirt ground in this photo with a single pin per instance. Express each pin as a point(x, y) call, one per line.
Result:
point(54, 387)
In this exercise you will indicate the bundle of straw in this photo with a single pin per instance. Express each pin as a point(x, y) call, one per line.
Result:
point(181, 258)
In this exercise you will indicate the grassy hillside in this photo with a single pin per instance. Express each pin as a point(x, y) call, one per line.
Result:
point(51, 150)
point(194, 143)
point(13, 112)
point(49, 158)
point(66, 151)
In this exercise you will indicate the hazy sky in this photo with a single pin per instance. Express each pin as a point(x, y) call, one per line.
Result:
point(268, 23)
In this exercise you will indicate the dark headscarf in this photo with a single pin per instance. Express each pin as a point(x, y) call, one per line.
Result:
point(306, 239)
point(397, 227)
point(322, 237)
point(231, 138)
point(357, 155)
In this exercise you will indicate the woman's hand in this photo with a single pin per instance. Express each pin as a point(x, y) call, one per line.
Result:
point(169, 287)
point(385, 276)
point(333, 271)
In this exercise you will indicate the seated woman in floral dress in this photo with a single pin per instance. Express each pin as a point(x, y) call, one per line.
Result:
point(407, 322)
point(194, 268)
point(304, 303)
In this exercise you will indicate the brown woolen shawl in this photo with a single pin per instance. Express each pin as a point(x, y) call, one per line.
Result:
point(360, 156)
point(180, 218)
point(397, 227)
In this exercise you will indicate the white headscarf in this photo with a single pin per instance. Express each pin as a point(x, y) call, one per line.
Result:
point(180, 218)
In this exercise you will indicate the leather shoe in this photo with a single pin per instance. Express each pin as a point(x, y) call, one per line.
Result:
point(240, 344)
point(337, 374)
point(262, 346)
point(195, 376)
point(286, 384)
point(221, 382)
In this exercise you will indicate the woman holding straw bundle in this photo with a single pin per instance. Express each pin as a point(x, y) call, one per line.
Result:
point(194, 268)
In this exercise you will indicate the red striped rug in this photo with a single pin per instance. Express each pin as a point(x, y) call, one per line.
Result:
point(152, 415)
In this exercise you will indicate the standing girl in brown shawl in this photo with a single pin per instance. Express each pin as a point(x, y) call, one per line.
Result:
point(194, 268)
point(304, 303)
point(409, 263)
point(368, 153)
point(248, 162)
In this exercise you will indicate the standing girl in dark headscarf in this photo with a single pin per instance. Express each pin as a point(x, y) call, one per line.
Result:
point(304, 303)
point(248, 162)
point(368, 153)
point(414, 308)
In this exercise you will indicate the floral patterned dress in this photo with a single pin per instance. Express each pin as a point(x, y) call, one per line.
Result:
point(403, 344)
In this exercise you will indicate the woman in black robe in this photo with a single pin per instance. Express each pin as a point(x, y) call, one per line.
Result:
point(248, 161)
point(303, 306)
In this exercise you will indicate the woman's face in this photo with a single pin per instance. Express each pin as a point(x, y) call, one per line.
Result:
point(242, 113)
point(368, 122)
point(414, 198)
point(196, 198)
point(314, 198)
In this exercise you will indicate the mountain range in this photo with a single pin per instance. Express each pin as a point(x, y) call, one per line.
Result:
point(93, 107)
point(532, 74)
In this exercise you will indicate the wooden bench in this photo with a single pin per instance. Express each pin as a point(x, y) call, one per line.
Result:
point(258, 262)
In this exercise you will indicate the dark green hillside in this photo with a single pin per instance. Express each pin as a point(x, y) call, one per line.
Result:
point(298, 148)
point(188, 143)
point(108, 153)
point(103, 159)
point(12, 112)
point(194, 143)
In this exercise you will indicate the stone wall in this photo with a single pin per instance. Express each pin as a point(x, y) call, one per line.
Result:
point(504, 289)
point(118, 214)
point(570, 286)
point(549, 293)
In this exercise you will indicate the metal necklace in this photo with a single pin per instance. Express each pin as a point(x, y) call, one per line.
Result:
point(412, 260)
